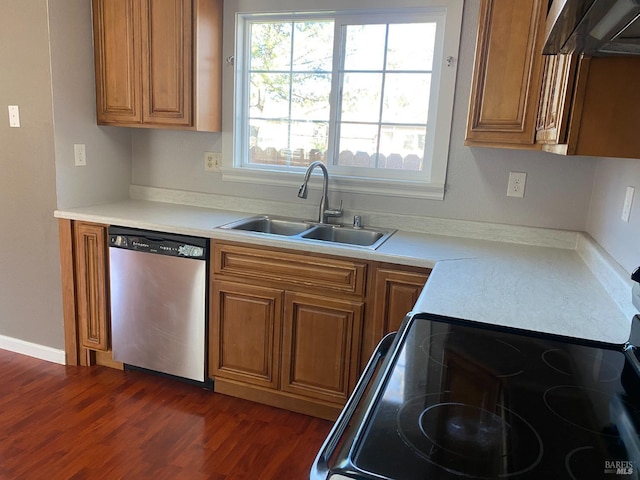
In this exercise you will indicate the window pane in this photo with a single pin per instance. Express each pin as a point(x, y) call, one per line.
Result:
point(411, 46)
point(361, 97)
point(289, 104)
point(269, 95)
point(406, 98)
point(269, 134)
point(364, 47)
point(310, 97)
point(384, 114)
point(313, 46)
point(308, 142)
point(358, 145)
point(403, 147)
point(279, 142)
point(270, 46)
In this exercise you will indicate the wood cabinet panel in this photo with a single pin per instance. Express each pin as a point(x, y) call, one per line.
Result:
point(507, 73)
point(117, 59)
point(91, 262)
point(556, 100)
point(290, 268)
point(395, 291)
point(67, 270)
point(320, 343)
point(167, 61)
point(244, 333)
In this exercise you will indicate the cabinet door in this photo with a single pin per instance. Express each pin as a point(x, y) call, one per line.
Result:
point(117, 59)
point(395, 292)
point(91, 285)
point(507, 73)
point(244, 333)
point(167, 61)
point(555, 103)
point(320, 346)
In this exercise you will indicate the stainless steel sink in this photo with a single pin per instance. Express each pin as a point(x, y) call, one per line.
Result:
point(365, 237)
point(305, 230)
point(272, 225)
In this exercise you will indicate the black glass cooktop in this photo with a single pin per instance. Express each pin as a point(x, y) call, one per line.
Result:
point(462, 401)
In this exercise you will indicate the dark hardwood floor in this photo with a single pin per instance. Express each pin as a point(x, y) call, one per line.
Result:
point(60, 422)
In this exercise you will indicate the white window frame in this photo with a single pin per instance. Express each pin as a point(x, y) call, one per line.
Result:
point(432, 183)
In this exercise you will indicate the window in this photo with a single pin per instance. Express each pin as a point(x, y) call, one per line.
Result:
point(369, 94)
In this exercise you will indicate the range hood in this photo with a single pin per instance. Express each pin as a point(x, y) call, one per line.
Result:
point(593, 27)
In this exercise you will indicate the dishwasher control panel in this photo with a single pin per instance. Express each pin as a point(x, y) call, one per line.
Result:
point(158, 243)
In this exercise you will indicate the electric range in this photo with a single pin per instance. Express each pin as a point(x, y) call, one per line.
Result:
point(445, 398)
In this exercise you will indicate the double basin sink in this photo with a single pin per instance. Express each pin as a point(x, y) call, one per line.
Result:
point(365, 237)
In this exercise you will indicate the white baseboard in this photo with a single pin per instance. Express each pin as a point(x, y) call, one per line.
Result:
point(32, 350)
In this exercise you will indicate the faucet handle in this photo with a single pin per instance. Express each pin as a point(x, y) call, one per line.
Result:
point(357, 221)
point(334, 212)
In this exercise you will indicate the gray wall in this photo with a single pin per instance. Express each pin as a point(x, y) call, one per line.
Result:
point(46, 66)
point(619, 238)
point(558, 188)
point(30, 301)
point(107, 175)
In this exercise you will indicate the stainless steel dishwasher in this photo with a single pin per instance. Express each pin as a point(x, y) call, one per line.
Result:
point(158, 301)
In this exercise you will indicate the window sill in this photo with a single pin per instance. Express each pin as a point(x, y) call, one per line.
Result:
point(339, 183)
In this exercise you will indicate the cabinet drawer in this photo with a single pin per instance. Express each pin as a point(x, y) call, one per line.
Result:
point(290, 268)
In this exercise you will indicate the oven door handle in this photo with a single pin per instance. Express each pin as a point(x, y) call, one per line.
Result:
point(320, 468)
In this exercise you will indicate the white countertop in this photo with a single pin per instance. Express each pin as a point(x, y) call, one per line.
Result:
point(535, 288)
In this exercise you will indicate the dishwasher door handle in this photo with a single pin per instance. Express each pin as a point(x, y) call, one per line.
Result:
point(320, 468)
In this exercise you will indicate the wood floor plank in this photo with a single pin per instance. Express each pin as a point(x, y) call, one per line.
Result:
point(84, 423)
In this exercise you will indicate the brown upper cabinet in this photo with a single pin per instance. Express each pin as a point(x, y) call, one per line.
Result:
point(507, 74)
point(565, 104)
point(590, 106)
point(158, 63)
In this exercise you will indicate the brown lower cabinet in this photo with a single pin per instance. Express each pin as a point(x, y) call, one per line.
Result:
point(84, 262)
point(285, 327)
point(294, 329)
point(395, 291)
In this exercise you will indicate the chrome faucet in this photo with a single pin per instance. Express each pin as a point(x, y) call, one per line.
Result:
point(324, 212)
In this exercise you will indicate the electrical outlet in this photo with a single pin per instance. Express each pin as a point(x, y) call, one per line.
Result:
point(516, 185)
point(628, 201)
point(212, 161)
point(80, 154)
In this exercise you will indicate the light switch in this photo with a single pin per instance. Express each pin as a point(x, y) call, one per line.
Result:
point(14, 116)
